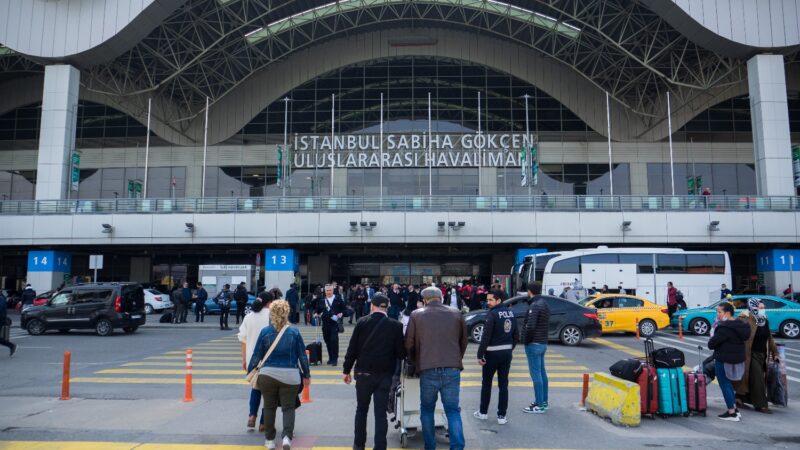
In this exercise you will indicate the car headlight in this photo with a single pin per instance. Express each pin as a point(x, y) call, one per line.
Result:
point(469, 317)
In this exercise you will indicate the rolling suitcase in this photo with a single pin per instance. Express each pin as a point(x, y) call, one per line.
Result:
point(314, 350)
point(5, 330)
point(648, 383)
point(696, 384)
point(671, 392)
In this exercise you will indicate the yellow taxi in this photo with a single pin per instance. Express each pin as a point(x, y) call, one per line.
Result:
point(619, 313)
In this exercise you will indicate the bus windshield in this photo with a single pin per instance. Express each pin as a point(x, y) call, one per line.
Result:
point(541, 263)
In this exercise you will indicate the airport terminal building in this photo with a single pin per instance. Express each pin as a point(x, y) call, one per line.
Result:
point(393, 140)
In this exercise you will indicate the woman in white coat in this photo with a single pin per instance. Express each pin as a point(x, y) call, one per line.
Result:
point(249, 330)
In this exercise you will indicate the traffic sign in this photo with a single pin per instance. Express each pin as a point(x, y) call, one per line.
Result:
point(95, 261)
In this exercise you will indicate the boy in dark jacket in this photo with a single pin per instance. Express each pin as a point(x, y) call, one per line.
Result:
point(534, 337)
point(728, 344)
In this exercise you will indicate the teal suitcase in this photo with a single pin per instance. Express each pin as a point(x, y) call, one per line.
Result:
point(672, 392)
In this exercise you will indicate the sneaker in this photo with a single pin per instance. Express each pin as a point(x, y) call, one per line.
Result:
point(545, 405)
point(501, 420)
point(270, 444)
point(732, 417)
point(12, 350)
point(534, 409)
point(287, 443)
point(479, 416)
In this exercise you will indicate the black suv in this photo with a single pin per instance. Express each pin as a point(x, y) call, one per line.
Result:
point(98, 306)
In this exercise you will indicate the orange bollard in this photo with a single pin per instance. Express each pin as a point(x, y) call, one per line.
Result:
point(680, 327)
point(585, 391)
point(65, 376)
point(306, 391)
point(637, 328)
point(187, 392)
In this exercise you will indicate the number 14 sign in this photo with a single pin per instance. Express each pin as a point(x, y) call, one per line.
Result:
point(280, 260)
point(49, 261)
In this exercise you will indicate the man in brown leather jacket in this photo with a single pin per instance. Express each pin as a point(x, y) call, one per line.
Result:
point(436, 341)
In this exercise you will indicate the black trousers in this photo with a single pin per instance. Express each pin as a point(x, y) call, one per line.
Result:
point(240, 311)
point(199, 312)
point(330, 333)
point(375, 387)
point(499, 362)
point(6, 343)
point(671, 310)
point(185, 313)
point(358, 310)
point(224, 312)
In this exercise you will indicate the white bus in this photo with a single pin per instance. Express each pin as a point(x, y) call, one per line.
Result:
point(640, 271)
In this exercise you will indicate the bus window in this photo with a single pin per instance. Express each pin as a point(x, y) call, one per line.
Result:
point(643, 261)
point(569, 265)
point(601, 258)
point(705, 263)
point(541, 263)
point(669, 263)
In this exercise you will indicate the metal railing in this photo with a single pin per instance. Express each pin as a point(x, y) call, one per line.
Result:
point(404, 203)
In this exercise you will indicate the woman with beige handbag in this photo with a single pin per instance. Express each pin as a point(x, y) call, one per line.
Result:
point(277, 368)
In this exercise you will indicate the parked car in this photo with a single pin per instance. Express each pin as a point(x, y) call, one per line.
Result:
point(99, 306)
point(213, 308)
point(619, 313)
point(155, 301)
point(570, 322)
point(783, 315)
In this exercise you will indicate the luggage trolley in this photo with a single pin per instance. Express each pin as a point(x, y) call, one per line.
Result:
point(406, 392)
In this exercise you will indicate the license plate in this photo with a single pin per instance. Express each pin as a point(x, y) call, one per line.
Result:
point(137, 316)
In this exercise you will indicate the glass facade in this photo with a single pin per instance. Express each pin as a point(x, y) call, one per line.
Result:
point(722, 179)
point(567, 179)
point(17, 184)
point(113, 182)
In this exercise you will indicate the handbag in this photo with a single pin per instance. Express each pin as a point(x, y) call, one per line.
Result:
point(340, 326)
point(252, 376)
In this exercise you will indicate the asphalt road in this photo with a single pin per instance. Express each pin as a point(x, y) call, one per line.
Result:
point(129, 389)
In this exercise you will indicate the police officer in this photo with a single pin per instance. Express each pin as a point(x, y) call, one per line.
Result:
point(494, 354)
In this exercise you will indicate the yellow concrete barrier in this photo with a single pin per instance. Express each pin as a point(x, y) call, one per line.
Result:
point(614, 398)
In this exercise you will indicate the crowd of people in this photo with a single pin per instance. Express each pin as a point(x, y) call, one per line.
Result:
point(429, 344)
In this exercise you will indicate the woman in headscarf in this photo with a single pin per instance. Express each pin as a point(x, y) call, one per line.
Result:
point(753, 386)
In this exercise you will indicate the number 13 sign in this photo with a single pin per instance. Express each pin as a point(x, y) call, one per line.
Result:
point(281, 260)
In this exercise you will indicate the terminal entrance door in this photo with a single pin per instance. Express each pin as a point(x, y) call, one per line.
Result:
point(384, 273)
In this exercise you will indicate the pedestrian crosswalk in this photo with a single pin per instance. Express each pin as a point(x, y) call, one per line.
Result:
point(219, 362)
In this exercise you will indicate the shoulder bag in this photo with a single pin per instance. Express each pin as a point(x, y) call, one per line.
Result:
point(252, 376)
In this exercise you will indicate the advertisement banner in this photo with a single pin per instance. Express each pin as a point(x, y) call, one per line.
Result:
point(796, 165)
point(75, 175)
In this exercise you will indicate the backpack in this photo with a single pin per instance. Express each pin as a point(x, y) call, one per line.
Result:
point(679, 300)
point(240, 295)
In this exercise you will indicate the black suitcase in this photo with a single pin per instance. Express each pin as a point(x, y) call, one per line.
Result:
point(165, 318)
point(314, 350)
point(5, 330)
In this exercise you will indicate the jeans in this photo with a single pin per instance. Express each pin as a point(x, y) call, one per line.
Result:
point(394, 312)
point(375, 386)
point(535, 354)
point(331, 335)
point(725, 385)
point(223, 317)
point(447, 382)
point(255, 402)
point(277, 394)
point(499, 362)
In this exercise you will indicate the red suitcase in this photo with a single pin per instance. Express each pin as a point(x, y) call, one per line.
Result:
point(648, 382)
point(696, 384)
point(648, 390)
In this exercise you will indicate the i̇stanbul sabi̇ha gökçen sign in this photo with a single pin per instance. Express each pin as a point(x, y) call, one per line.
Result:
point(411, 150)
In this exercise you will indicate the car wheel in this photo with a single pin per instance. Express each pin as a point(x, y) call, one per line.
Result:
point(103, 327)
point(647, 328)
point(35, 327)
point(476, 332)
point(130, 330)
point(790, 329)
point(148, 309)
point(571, 335)
point(700, 327)
point(63, 330)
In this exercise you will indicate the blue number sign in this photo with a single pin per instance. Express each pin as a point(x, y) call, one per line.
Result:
point(778, 260)
point(49, 261)
point(279, 260)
